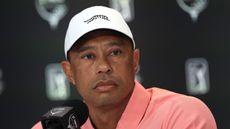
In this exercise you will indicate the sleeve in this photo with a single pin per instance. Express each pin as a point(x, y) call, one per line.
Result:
point(189, 113)
point(37, 126)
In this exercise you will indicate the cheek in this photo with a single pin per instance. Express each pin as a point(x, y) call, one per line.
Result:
point(82, 75)
point(81, 70)
point(82, 84)
point(125, 68)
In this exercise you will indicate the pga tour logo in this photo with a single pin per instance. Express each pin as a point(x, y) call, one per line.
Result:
point(57, 85)
point(197, 76)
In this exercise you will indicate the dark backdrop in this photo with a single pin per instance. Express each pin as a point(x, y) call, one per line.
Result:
point(165, 34)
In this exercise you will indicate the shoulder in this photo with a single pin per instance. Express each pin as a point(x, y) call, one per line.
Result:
point(173, 99)
point(181, 111)
point(37, 126)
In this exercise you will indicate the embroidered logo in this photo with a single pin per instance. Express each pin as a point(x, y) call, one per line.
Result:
point(95, 17)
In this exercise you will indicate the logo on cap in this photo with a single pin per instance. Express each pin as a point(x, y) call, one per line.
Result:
point(95, 17)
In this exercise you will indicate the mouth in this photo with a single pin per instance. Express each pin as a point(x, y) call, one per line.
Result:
point(105, 86)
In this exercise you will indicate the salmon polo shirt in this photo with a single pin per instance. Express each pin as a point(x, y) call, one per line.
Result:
point(156, 108)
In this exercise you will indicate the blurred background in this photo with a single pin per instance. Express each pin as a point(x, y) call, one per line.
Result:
point(184, 44)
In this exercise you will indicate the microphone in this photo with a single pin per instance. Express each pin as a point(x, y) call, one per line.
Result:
point(72, 115)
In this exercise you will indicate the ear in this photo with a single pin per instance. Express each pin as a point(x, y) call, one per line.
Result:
point(66, 66)
point(136, 59)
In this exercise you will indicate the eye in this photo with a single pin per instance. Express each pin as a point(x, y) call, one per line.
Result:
point(88, 56)
point(116, 52)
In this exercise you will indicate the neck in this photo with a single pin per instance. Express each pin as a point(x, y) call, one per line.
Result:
point(108, 119)
point(107, 116)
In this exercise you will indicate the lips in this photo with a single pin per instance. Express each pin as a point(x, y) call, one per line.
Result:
point(105, 86)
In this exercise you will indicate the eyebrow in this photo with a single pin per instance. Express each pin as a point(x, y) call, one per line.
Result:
point(84, 48)
point(115, 43)
point(109, 44)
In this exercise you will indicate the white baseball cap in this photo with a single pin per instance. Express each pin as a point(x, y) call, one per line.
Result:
point(94, 18)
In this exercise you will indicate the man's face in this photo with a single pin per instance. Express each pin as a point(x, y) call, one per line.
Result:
point(102, 68)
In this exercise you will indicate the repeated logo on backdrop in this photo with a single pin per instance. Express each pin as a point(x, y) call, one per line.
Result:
point(57, 85)
point(197, 76)
point(51, 10)
point(125, 7)
point(193, 7)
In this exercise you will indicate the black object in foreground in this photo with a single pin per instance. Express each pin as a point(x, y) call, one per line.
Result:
point(72, 115)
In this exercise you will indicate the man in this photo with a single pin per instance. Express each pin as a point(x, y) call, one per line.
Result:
point(101, 64)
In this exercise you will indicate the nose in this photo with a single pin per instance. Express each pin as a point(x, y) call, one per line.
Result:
point(103, 66)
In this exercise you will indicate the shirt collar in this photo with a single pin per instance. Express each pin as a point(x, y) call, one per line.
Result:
point(135, 108)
